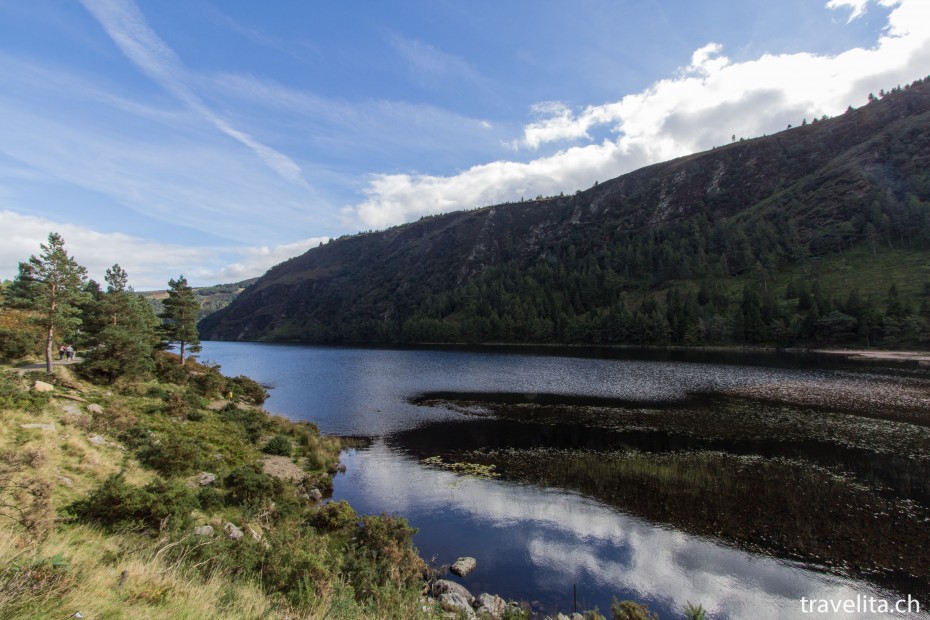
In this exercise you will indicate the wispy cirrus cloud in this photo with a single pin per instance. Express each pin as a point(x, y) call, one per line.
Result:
point(711, 99)
point(126, 25)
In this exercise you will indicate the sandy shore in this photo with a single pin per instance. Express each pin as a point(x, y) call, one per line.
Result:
point(921, 357)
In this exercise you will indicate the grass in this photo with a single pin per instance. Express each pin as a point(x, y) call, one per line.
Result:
point(54, 563)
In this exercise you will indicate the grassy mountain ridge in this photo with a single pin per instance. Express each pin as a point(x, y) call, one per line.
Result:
point(211, 298)
point(600, 265)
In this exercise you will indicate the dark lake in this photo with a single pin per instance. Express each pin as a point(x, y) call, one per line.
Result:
point(596, 452)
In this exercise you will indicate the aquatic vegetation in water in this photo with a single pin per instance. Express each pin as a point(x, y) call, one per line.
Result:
point(467, 469)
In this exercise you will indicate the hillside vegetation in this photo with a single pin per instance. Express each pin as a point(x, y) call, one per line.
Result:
point(211, 298)
point(819, 234)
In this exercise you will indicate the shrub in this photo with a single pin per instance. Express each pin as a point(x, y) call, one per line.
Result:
point(209, 383)
point(168, 368)
point(210, 499)
point(630, 610)
point(334, 517)
point(248, 484)
point(279, 445)
point(252, 421)
point(176, 406)
point(170, 455)
point(16, 343)
point(382, 555)
point(116, 418)
point(318, 480)
point(117, 504)
point(299, 567)
point(247, 389)
point(13, 395)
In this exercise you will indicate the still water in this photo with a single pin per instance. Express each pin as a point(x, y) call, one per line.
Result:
point(532, 543)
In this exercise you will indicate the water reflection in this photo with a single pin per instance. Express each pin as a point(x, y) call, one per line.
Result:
point(538, 542)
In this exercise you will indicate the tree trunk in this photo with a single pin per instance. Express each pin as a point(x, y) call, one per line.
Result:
point(182, 353)
point(48, 348)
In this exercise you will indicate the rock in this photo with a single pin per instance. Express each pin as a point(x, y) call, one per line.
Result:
point(453, 601)
point(315, 495)
point(232, 532)
point(561, 616)
point(442, 586)
point(71, 410)
point(44, 427)
point(490, 604)
point(255, 534)
point(65, 481)
point(463, 566)
point(95, 409)
point(577, 616)
point(42, 386)
point(97, 440)
point(204, 530)
point(205, 478)
point(341, 468)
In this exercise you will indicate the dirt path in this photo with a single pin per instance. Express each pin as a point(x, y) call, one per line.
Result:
point(41, 365)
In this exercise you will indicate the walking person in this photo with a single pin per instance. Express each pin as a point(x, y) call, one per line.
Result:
point(61, 352)
point(70, 352)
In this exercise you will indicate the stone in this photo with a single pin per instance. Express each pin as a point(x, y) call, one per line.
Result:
point(65, 481)
point(205, 478)
point(442, 586)
point(204, 530)
point(315, 494)
point(71, 410)
point(463, 566)
point(95, 409)
point(232, 532)
point(97, 440)
point(42, 386)
point(490, 604)
point(255, 534)
point(44, 427)
point(453, 601)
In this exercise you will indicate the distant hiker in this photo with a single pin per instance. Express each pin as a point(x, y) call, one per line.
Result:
point(61, 352)
point(70, 352)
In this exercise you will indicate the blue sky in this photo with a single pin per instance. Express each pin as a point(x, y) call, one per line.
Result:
point(216, 139)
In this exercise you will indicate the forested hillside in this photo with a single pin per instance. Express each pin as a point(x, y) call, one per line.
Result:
point(819, 234)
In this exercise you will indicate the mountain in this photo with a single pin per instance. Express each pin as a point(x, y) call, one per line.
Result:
point(211, 298)
point(819, 233)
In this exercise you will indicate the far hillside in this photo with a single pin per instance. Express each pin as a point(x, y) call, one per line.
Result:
point(211, 298)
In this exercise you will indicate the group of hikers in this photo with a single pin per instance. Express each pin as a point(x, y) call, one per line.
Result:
point(66, 349)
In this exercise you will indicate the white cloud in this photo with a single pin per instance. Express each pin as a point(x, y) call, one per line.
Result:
point(127, 27)
point(150, 264)
point(857, 7)
point(711, 99)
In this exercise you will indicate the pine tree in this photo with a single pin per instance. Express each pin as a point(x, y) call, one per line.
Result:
point(122, 331)
point(52, 286)
point(180, 317)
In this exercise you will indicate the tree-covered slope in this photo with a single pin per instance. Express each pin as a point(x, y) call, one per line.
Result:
point(723, 246)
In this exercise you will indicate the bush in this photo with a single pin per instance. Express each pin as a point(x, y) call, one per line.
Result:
point(16, 343)
point(318, 480)
point(630, 610)
point(279, 445)
point(210, 499)
point(176, 406)
point(382, 555)
point(14, 395)
point(252, 421)
point(170, 455)
point(117, 504)
point(247, 389)
point(249, 484)
point(168, 368)
point(209, 383)
point(334, 517)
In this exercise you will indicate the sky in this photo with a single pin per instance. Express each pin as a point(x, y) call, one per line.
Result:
point(216, 139)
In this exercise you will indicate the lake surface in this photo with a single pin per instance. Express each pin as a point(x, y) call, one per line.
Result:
point(536, 537)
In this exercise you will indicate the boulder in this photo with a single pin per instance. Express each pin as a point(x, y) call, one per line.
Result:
point(95, 409)
point(490, 604)
point(463, 566)
point(442, 586)
point(232, 532)
point(453, 601)
point(42, 386)
point(205, 478)
point(97, 440)
point(204, 530)
point(315, 495)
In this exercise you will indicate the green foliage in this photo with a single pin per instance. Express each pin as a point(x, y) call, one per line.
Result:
point(695, 612)
point(121, 332)
point(630, 610)
point(117, 504)
point(279, 445)
point(382, 554)
point(52, 285)
point(248, 485)
point(15, 395)
point(170, 454)
point(180, 315)
point(247, 389)
point(334, 517)
point(15, 343)
point(252, 421)
point(210, 499)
